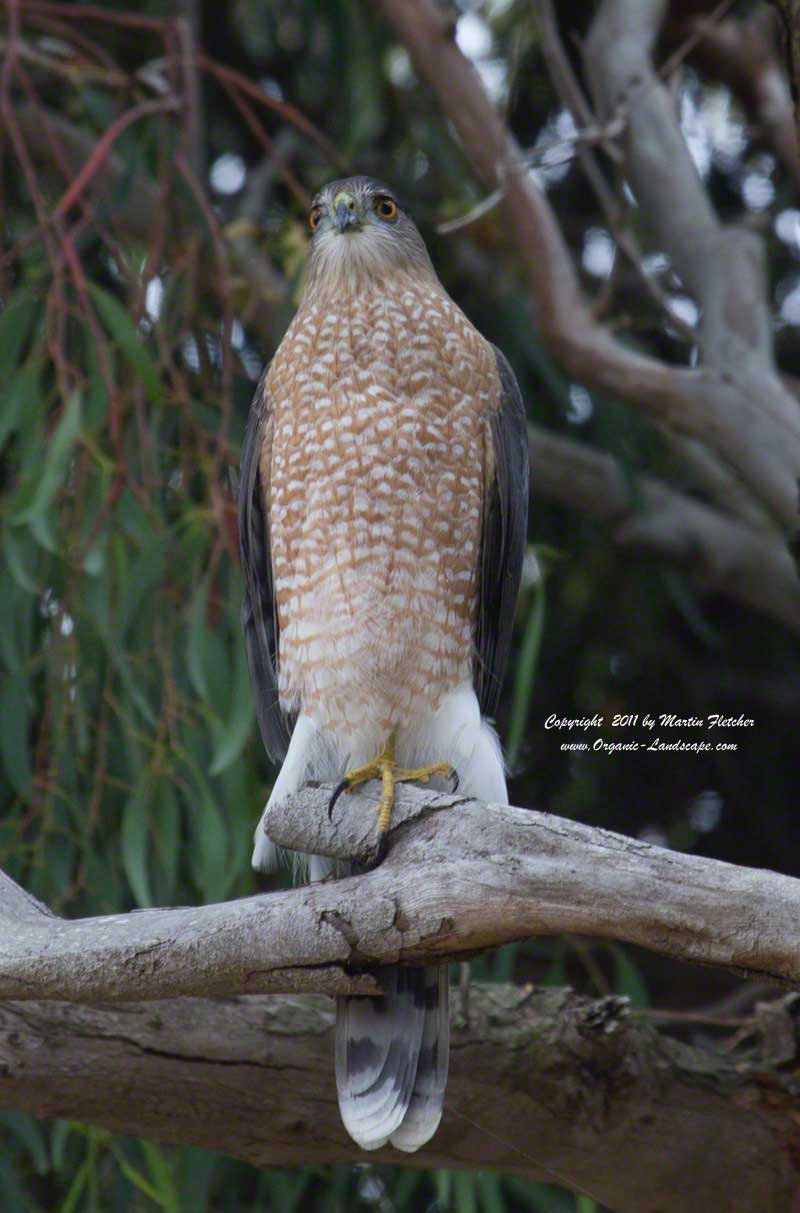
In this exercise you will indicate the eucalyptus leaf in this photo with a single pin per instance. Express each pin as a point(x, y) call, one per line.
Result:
point(239, 723)
point(16, 323)
point(196, 639)
point(121, 327)
point(29, 1133)
point(14, 553)
point(35, 498)
point(208, 851)
point(629, 980)
point(21, 400)
point(135, 842)
point(14, 739)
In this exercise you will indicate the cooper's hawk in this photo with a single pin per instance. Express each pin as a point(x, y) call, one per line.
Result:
point(383, 508)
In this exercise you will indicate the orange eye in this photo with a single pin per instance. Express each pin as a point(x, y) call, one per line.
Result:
point(315, 218)
point(386, 208)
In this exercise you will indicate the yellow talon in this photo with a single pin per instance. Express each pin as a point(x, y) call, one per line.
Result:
point(385, 768)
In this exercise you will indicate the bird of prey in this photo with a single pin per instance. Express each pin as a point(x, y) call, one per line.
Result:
point(382, 511)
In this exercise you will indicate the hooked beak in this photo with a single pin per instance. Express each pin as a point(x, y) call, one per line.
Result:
point(344, 212)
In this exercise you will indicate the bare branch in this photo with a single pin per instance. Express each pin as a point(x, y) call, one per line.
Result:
point(543, 1084)
point(790, 17)
point(132, 209)
point(572, 97)
point(744, 55)
point(461, 876)
point(741, 410)
point(722, 553)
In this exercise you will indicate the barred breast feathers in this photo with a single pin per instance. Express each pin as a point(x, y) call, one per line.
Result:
point(376, 497)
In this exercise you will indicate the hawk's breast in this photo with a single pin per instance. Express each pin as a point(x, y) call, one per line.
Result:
point(375, 474)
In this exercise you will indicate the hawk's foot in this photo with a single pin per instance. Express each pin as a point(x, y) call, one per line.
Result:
point(385, 768)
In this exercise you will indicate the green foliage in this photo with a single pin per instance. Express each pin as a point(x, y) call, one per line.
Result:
point(524, 677)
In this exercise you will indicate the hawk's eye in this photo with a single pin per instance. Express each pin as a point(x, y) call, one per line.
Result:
point(386, 207)
point(315, 218)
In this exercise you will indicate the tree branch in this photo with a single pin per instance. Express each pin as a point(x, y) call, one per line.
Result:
point(461, 876)
point(745, 55)
point(789, 11)
point(721, 552)
point(738, 407)
point(543, 1084)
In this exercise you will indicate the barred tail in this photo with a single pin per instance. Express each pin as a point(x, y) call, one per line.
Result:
point(391, 1058)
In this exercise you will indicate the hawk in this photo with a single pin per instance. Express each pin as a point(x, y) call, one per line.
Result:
point(383, 513)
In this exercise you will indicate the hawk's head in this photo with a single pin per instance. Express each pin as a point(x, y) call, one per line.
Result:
point(361, 229)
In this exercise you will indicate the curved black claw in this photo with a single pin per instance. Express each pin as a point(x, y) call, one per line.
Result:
point(454, 779)
point(337, 791)
point(378, 857)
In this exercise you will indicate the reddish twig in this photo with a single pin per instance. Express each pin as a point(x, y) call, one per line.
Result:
point(221, 256)
point(287, 111)
point(246, 110)
point(93, 12)
point(104, 146)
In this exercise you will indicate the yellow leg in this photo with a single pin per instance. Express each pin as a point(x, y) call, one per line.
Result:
point(384, 767)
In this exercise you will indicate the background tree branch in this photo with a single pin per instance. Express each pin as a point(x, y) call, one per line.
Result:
point(644, 514)
point(735, 403)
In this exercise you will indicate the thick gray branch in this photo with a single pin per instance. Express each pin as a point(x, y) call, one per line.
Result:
point(720, 551)
point(542, 1083)
point(723, 266)
point(460, 876)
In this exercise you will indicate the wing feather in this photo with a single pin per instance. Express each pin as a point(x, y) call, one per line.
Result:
point(259, 613)
point(505, 525)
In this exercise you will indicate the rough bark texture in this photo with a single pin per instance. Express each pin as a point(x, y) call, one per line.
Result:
point(543, 1083)
point(460, 876)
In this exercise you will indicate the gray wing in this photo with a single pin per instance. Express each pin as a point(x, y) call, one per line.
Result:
point(259, 615)
point(505, 525)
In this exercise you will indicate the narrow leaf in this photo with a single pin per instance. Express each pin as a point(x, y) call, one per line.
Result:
point(135, 843)
point(137, 1179)
point(195, 640)
point(208, 852)
point(29, 1132)
point(124, 331)
point(13, 547)
point(628, 978)
point(14, 733)
point(465, 1192)
point(239, 724)
point(525, 675)
point(16, 322)
point(19, 400)
point(54, 466)
point(161, 1173)
point(492, 1198)
point(75, 1193)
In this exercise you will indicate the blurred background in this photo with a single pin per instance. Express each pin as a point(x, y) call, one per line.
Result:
point(157, 162)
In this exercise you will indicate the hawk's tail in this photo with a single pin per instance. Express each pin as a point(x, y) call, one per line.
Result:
point(391, 1058)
